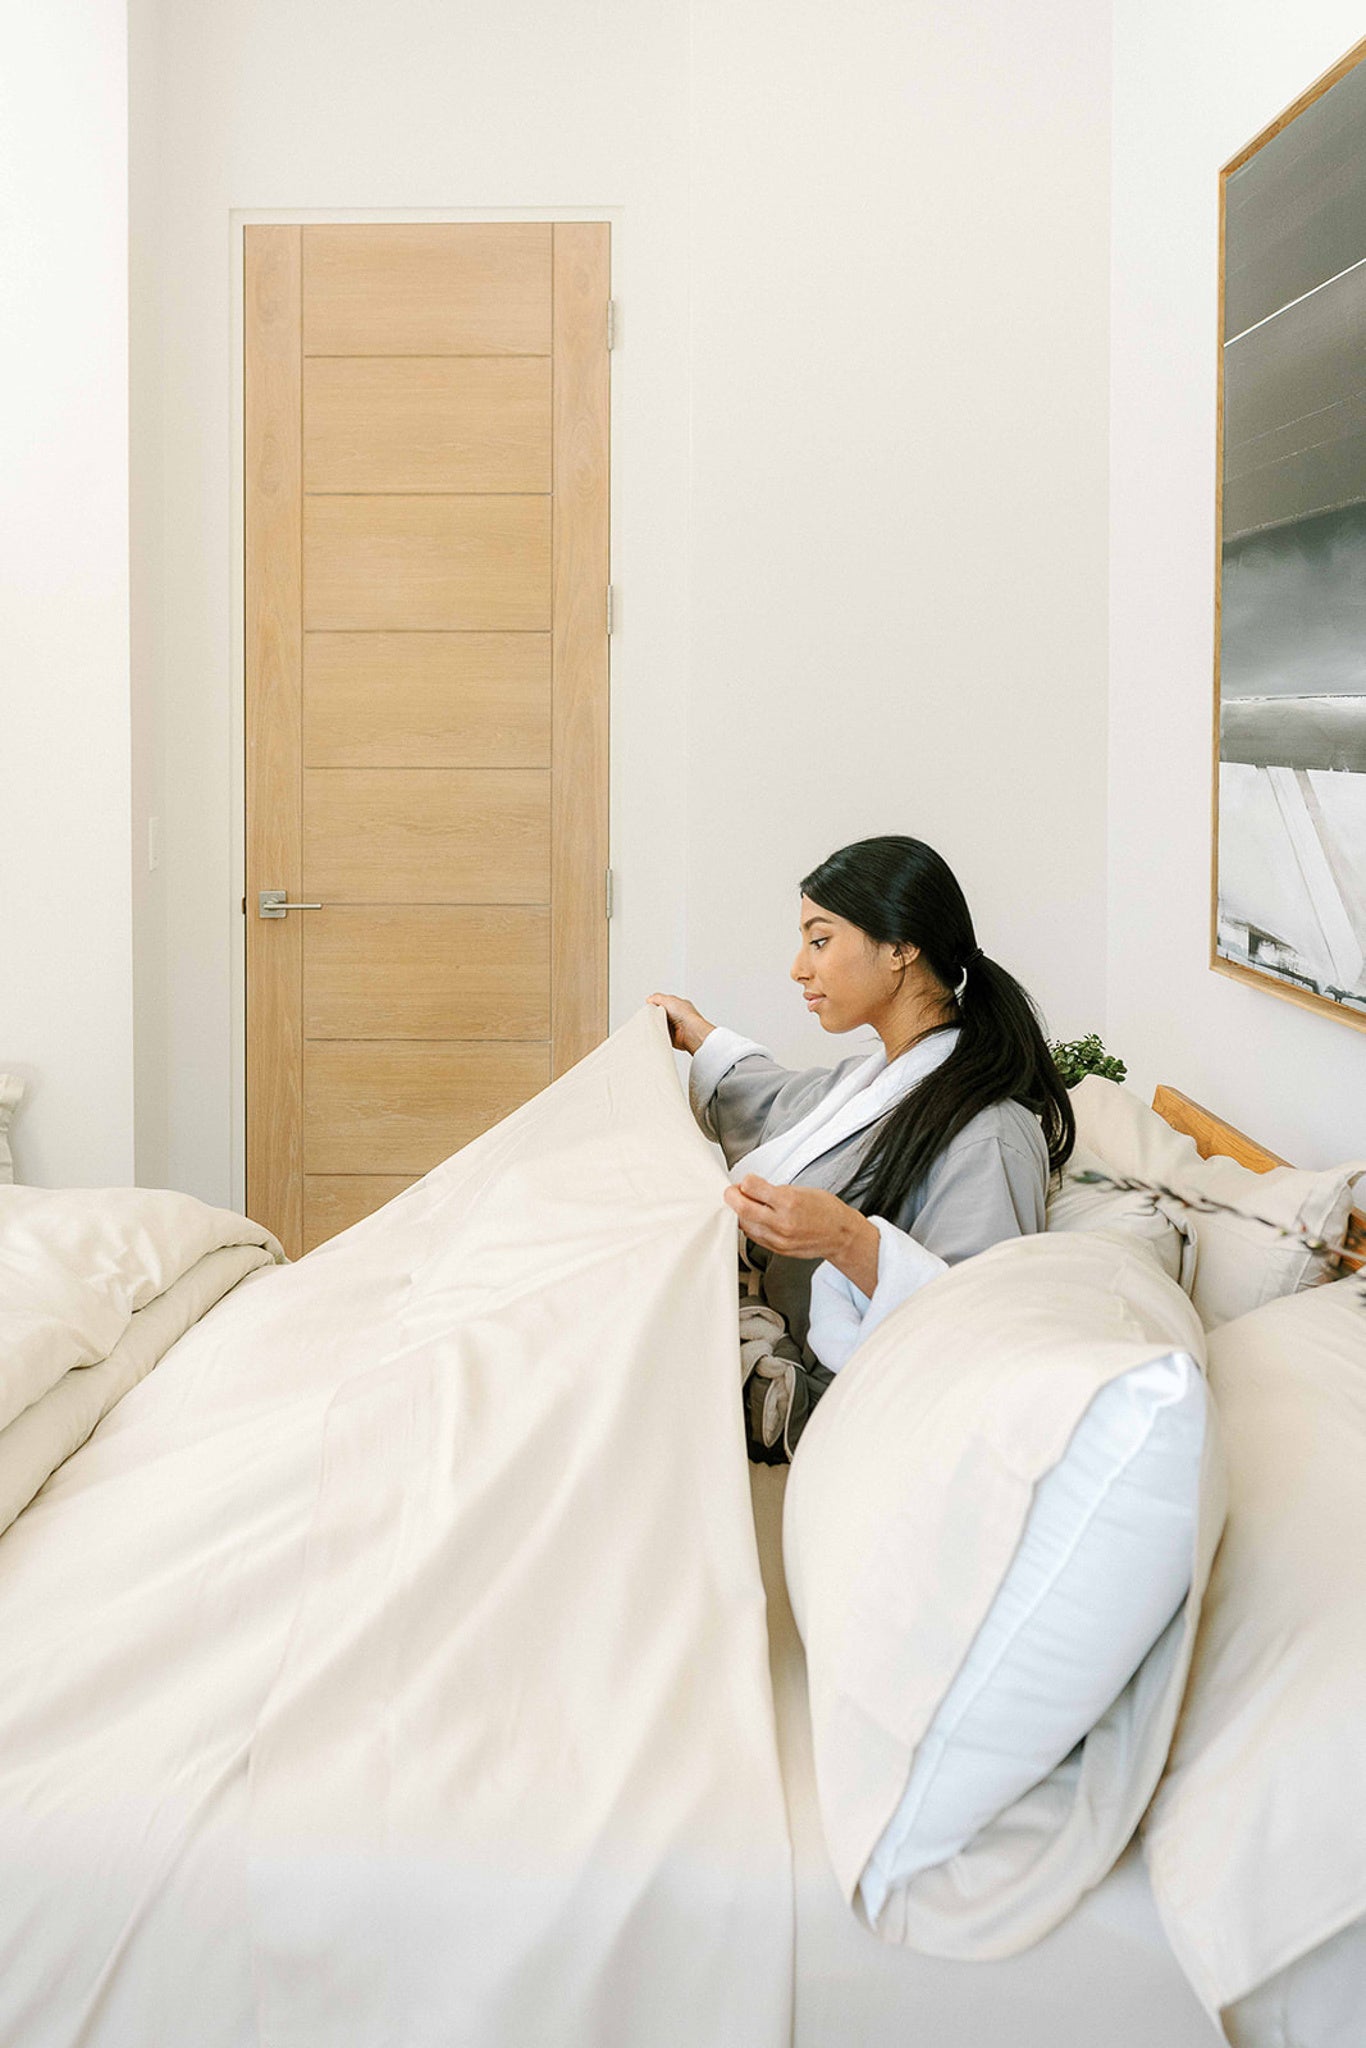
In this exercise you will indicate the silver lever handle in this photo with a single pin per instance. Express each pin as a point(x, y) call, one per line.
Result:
point(271, 903)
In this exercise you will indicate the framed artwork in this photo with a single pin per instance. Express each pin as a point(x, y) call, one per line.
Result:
point(1289, 882)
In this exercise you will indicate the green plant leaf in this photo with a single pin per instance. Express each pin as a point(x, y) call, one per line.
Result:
point(1079, 1056)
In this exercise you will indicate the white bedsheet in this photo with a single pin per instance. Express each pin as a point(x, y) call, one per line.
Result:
point(390, 1666)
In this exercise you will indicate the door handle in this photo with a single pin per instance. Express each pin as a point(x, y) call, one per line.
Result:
point(271, 903)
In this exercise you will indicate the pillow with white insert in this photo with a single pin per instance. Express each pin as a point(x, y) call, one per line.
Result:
point(1103, 1563)
point(1078, 1205)
point(11, 1095)
point(997, 1529)
point(1255, 1842)
point(1241, 1262)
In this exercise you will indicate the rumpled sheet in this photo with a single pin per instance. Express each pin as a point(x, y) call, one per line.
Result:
point(48, 1432)
point(96, 1284)
point(391, 1665)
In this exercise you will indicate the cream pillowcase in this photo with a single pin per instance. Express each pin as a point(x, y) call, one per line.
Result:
point(1255, 1842)
point(1240, 1264)
point(906, 1506)
point(11, 1095)
point(1076, 1205)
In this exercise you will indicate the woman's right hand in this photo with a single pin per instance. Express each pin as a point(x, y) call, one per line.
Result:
point(687, 1026)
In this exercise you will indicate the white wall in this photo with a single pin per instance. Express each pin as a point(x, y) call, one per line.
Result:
point(859, 493)
point(66, 1022)
point(152, 958)
point(899, 475)
point(859, 426)
point(1192, 85)
point(337, 106)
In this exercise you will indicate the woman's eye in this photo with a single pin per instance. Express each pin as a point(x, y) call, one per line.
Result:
point(815, 943)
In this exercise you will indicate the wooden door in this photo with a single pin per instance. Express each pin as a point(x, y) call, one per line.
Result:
point(426, 450)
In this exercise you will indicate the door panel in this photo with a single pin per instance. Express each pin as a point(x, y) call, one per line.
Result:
point(427, 561)
point(427, 423)
point(401, 1107)
point(427, 835)
point(433, 972)
point(430, 289)
point(427, 700)
point(474, 562)
point(578, 819)
point(334, 1201)
point(273, 396)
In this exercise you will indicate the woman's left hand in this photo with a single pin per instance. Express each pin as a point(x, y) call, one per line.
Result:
point(805, 1223)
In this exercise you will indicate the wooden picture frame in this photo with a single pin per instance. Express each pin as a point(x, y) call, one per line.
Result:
point(1288, 839)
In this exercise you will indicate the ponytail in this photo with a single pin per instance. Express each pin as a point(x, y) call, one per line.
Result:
point(901, 892)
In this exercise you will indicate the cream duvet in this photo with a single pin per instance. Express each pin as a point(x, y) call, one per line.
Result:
point(390, 1666)
point(96, 1284)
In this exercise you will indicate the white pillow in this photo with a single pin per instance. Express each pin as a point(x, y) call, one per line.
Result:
point(1075, 1205)
point(11, 1095)
point(1255, 1842)
point(913, 1546)
point(1241, 1263)
point(1103, 1564)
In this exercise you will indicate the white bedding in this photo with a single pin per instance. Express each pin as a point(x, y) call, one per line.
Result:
point(390, 1666)
point(1105, 1976)
point(96, 1284)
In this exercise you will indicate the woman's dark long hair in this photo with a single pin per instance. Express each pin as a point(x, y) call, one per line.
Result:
point(901, 892)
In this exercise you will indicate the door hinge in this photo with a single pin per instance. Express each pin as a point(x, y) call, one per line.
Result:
point(244, 906)
point(608, 891)
point(611, 323)
point(611, 609)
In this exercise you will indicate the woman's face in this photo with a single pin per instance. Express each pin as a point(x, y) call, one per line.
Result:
point(847, 977)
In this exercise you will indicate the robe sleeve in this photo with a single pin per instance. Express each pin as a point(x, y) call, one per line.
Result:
point(739, 1093)
point(733, 1083)
point(975, 1195)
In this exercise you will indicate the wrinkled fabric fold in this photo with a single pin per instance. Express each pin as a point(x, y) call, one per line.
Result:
point(50, 1429)
point(76, 1264)
point(528, 1663)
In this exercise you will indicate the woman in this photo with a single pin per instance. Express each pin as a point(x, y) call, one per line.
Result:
point(856, 1184)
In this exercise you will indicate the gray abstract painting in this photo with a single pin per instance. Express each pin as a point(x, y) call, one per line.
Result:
point(1291, 849)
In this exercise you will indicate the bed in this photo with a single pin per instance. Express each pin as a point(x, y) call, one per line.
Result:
point(396, 1660)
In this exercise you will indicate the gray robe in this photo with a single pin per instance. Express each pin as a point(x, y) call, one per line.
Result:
point(989, 1183)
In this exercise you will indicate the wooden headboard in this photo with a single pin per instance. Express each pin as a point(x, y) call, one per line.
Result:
point(1212, 1134)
